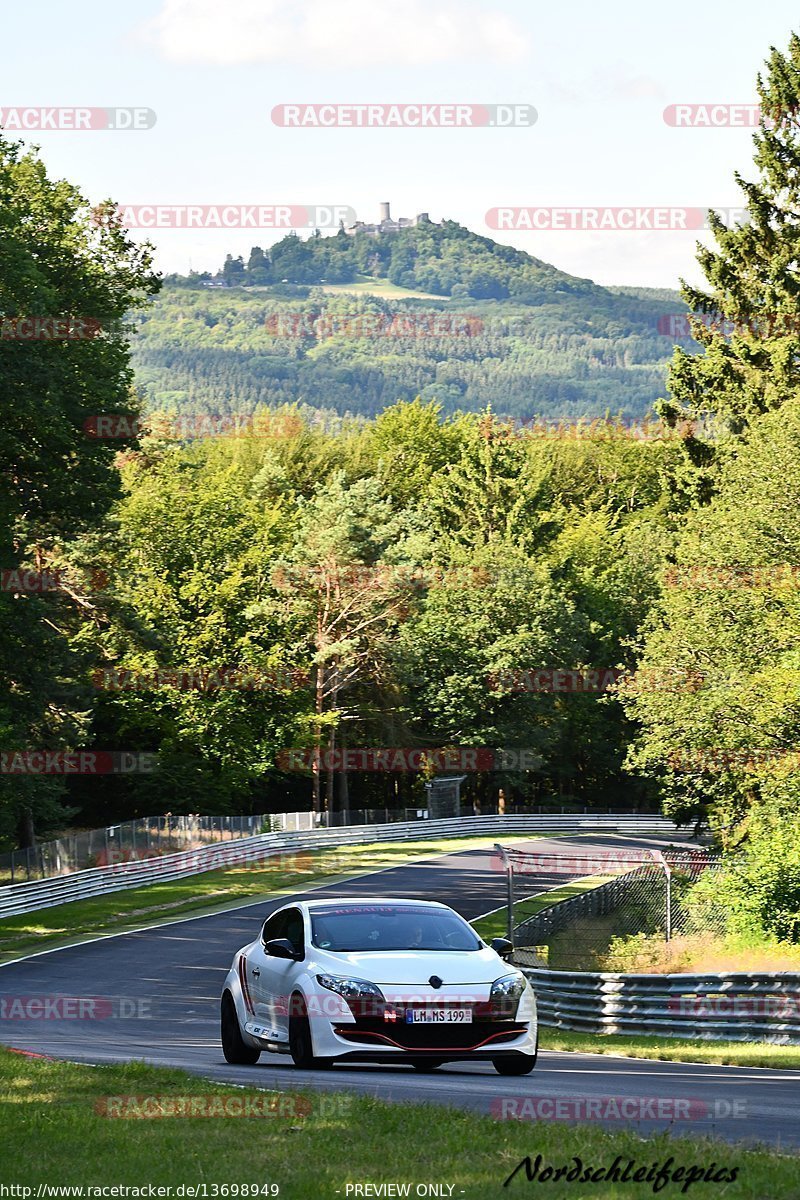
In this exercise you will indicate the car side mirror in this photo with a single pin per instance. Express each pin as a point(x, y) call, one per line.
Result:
point(281, 948)
point(503, 947)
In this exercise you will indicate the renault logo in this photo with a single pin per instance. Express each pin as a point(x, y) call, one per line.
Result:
point(435, 981)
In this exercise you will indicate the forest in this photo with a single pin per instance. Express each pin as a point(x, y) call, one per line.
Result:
point(466, 323)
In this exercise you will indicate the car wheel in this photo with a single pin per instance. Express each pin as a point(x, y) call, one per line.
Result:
point(234, 1047)
point(301, 1046)
point(426, 1064)
point(520, 1064)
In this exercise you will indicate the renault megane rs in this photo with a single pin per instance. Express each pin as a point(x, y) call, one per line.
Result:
point(377, 980)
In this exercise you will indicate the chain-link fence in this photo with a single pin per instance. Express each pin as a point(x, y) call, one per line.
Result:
point(146, 837)
point(149, 837)
point(621, 900)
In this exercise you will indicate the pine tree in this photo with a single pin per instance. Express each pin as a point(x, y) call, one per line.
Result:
point(750, 362)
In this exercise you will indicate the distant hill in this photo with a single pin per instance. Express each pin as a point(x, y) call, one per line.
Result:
point(434, 310)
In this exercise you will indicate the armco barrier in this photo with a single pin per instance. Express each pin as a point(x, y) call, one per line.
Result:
point(712, 1007)
point(29, 897)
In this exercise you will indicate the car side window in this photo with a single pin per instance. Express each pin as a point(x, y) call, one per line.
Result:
point(274, 927)
point(294, 930)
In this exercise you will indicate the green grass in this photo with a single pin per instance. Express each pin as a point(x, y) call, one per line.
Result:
point(313, 1145)
point(215, 890)
point(367, 286)
point(734, 1054)
point(496, 925)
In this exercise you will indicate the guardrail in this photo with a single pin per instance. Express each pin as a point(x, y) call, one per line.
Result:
point(30, 897)
point(711, 1007)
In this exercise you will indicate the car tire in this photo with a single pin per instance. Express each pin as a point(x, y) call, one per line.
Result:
point(301, 1046)
point(234, 1047)
point(518, 1064)
point(426, 1064)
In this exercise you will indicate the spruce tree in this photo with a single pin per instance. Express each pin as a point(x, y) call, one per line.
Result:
point(750, 335)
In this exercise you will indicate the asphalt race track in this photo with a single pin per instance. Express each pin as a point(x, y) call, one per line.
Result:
point(164, 986)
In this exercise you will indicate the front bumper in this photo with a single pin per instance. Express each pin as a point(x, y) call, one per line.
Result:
point(380, 1037)
point(433, 1039)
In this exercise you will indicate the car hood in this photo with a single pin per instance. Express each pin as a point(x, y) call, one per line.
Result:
point(415, 967)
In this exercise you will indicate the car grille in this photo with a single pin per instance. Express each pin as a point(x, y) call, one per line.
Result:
point(476, 1036)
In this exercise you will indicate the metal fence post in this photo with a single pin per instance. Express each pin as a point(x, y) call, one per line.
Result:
point(658, 857)
point(509, 889)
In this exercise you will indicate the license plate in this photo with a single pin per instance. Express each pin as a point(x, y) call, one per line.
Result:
point(439, 1016)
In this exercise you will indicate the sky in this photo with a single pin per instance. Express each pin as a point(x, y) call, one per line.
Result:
point(213, 71)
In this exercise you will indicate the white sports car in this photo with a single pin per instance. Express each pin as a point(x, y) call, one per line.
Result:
point(377, 980)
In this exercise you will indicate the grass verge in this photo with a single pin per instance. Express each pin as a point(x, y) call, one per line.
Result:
point(285, 873)
point(312, 1145)
point(648, 953)
point(495, 924)
point(732, 1054)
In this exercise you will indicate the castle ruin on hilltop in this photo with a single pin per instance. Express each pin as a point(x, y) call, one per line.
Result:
point(387, 223)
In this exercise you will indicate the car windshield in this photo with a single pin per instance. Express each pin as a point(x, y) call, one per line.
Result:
point(373, 927)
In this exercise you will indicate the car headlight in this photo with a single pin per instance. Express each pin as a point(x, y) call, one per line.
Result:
point(364, 999)
point(506, 994)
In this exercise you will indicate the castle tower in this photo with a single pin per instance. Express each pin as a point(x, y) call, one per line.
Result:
point(386, 214)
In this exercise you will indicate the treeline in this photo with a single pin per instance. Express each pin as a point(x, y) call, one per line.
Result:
point(446, 259)
point(412, 584)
